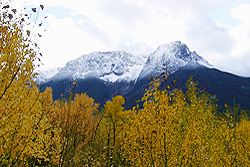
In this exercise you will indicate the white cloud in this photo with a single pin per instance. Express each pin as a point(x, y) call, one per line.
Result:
point(242, 13)
point(65, 41)
point(129, 14)
point(241, 33)
point(219, 30)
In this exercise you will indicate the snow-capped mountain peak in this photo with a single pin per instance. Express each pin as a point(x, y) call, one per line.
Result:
point(171, 56)
point(116, 66)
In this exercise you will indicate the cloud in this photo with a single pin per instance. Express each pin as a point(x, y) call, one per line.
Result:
point(65, 41)
point(242, 13)
point(128, 13)
point(94, 31)
point(219, 30)
point(241, 34)
point(209, 36)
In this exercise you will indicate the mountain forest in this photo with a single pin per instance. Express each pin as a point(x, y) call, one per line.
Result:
point(168, 126)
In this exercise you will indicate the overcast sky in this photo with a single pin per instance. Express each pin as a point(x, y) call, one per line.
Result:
point(218, 30)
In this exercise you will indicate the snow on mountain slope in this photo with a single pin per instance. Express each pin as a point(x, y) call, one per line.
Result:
point(43, 76)
point(108, 66)
point(171, 56)
point(116, 66)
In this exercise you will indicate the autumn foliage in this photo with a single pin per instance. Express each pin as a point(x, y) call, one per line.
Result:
point(180, 129)
point(19, 96)
point(76, 124)
point(169, 127)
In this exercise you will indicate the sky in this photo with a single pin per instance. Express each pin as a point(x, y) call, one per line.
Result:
point(218, 30)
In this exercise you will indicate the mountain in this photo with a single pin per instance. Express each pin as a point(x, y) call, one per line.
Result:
point(108, 66)
point(44, 76)
point(118, 66)
point(103, 75)
point(226, 87)
point(172, 57)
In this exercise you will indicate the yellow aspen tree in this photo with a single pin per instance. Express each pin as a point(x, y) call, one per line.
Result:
point(94, 152)
point(104, 147)
point(19, 96)
point(148, 134)
point(197, 147)
point(172, 128)
point(77, 123)
point(45, 147)
point(115, 117)
point(243, 142)
point(235, 138)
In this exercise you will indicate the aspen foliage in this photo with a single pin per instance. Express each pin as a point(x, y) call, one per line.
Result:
point(45, 146)
point(235, 138)
point(180, 129)
point(77, 123)
point(19, 96)
point(104, 149)
point(115, 115)
point(242, 143)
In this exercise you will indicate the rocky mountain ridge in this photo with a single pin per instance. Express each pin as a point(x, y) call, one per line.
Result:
point(117, 66)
